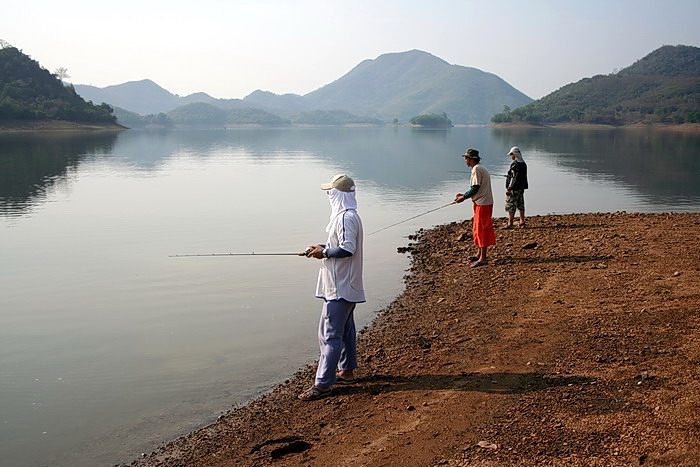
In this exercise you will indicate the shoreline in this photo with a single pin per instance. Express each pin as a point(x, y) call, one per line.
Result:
point(537, 358)
point(683, 127)
point(65, 126)
point(46, 126)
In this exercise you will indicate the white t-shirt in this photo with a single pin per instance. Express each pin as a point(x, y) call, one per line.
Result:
point(342, 277)
point(480, 176)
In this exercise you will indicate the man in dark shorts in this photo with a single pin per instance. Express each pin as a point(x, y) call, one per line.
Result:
point(516, 184)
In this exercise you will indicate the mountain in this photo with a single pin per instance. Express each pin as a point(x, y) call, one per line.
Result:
point(662, 87)
point(403, 85)
point(281, 104)
point(143, 97)
point(396, 85)
point(30, 92)
point(146, 97)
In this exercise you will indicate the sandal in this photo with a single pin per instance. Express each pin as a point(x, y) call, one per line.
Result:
point(476, 264)
point(507, 226)
point(314, 393)
point(472, 258)
point(343, 380)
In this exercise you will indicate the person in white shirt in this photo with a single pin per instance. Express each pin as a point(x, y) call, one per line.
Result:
point(340, 287)
point(482, 197)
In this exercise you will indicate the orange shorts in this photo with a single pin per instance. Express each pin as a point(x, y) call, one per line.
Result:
point(482, 226)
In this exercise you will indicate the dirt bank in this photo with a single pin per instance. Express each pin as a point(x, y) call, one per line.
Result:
point(22, 126)
point(579, 344)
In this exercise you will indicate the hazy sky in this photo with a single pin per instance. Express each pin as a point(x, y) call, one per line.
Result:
point(231, 48)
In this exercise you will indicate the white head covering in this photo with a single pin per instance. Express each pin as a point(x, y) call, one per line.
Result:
point(516, 152)
point(340, 201)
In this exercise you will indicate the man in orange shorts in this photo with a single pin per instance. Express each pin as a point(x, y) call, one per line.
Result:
point(481, 195)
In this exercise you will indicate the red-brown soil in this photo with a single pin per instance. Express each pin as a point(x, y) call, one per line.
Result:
point(582, 350)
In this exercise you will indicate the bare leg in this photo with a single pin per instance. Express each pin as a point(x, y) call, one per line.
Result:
point(522, 218)
point(482, 258)
point(511, 217)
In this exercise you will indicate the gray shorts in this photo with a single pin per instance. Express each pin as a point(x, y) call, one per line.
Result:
point(515, 200)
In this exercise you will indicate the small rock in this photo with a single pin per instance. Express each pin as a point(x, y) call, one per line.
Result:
point(676, 274)
point(487, 445)
point(530, 246)
point(466, 236)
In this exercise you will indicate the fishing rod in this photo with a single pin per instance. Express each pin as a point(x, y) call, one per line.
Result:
point(463, 172)
point(411, 218)
point(303, 253)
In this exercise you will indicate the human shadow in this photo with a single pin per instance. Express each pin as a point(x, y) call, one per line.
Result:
point(499, 383)
point(553, 259)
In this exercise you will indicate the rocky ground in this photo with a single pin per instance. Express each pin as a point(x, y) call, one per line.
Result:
point(579, 344)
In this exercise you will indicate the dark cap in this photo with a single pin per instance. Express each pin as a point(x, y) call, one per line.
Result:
point(471, 154)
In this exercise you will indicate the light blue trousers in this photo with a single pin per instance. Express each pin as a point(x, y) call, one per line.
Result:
point(336, 339)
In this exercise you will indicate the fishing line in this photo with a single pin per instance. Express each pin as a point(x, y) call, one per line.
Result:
point(411, 218)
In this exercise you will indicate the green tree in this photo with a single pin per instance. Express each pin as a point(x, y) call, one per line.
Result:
point(432, 120)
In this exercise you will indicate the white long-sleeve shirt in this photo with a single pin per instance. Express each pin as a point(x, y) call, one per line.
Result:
point(342, 277)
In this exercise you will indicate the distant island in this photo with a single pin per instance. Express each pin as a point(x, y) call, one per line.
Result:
point(432, 121)
point(663, 87)
point(32, 98)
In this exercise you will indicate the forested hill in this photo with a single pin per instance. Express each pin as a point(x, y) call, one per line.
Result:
point(405, 84)
point(30, 92)
point(663, 87)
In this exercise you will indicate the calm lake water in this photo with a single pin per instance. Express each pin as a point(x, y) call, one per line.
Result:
point(108, 346)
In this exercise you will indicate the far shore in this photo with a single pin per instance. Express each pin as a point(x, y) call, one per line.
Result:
point(19, 126)
point(682, 127)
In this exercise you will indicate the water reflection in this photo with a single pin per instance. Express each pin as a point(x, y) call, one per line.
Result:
point(31, 165)
point(663, 167)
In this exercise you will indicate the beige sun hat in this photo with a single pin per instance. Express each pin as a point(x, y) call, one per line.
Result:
point(340, 182)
